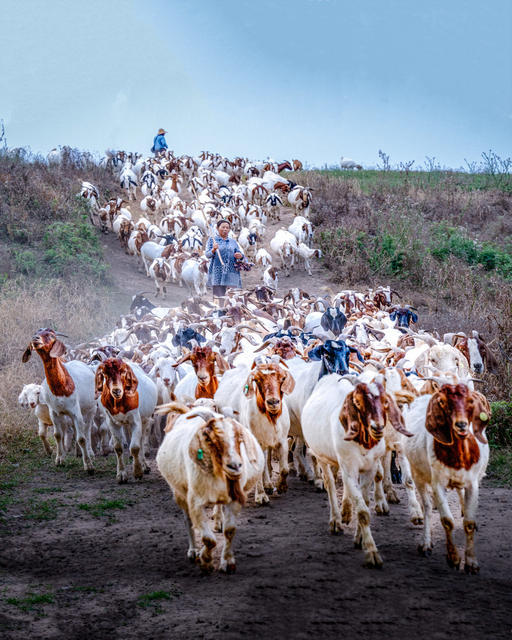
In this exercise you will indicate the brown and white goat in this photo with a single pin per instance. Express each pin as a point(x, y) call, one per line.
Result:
point(258, 395)
point(68, 390)
point(203, 383)
point(449, 450)
point(344, 427)
point(128, 399)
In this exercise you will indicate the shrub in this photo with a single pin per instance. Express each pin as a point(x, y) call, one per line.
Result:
point(499, 431)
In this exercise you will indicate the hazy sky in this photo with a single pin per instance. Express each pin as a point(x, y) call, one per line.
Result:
point(312, 79)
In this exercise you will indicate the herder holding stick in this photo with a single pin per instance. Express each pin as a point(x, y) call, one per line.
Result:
point(223, 251)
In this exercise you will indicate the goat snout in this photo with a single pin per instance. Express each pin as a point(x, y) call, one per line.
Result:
point(273, 404)
point(234, 467)
point(117, 392)
point(478, 368)
point(461, 427)
point(167, 381)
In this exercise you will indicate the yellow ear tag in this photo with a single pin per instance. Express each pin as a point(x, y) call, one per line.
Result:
point(484, 417)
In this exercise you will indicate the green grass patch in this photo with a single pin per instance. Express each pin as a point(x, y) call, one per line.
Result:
point(45, 490)
point(42, 510)
point(103, 507)
point(31, 602)
point(154, 599)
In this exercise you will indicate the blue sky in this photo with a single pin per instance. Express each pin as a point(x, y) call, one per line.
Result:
point(312, 79)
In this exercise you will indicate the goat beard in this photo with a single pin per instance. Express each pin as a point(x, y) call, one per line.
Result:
point(235, 491)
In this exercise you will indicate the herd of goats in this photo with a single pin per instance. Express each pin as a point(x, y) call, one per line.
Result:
point(233, 395)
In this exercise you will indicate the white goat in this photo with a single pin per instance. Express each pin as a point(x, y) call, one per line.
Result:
point(208, 459)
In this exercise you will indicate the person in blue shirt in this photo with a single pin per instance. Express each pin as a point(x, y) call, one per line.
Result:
point(222, 272)
point(159, 143)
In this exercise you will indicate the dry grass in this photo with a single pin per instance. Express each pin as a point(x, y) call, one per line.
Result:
point(80, 310)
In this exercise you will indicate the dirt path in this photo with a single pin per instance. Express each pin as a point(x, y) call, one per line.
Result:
point(100, 570)
point(81, 557)
point(128, 276)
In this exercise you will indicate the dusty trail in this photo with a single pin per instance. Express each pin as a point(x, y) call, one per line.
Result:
point(294, 580)
point(128, 278)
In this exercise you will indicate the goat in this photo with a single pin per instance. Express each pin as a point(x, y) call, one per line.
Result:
point(160, 271)
point(207, 459)
point(300, 198)
point(284, 244)
point(335, 357)
point(203, 382)
point(304, 254)
point(270, 279)
point(344, 427)
point(474, 349)
point(68, 390)
point(30, 398)
point(128, 399)
point(449, 450)
point(263, 258)
point(258, 395)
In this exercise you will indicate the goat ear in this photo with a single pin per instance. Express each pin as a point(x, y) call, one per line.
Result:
point(249, 386)
point(490, 360)
point(359, 356)
point(436, 423)
point(99, 380)
point(223, 365)
point(349, 418)
point(26, 354)
point(130, 382)
point(480, 415)
point(199, 453)
point(288, 384)
point(58, 349)
point(395, 415)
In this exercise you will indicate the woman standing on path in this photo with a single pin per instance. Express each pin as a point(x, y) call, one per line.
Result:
point(222, 251)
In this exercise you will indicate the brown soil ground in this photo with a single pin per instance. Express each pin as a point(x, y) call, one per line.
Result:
point(122, 572)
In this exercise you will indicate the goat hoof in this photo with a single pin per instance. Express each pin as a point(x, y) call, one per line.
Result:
point(372, 560)
point(424, 551)
point(228, 568)
point(381, 509)
point(90, 472)
point(416, 520)
point(262, 500)
point(453, 562)
point(191, 555)
point(206, 569)
point(335, 527)
point(358, 544)
point(122, 477)
point(269, 491)
point(147, 470)
point(471, 569)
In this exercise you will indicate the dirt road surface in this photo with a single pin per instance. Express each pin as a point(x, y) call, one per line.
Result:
point(81, 557)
